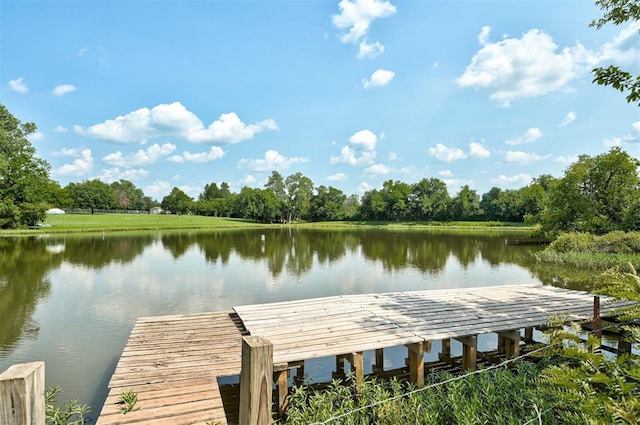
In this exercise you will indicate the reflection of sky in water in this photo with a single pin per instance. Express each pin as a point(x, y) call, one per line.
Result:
point(86, 319)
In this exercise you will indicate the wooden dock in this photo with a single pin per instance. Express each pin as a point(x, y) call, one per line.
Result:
point(173, 362)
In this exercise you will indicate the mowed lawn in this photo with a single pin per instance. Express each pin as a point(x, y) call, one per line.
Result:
point(120, 222)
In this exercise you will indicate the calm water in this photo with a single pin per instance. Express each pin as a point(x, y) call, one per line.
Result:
point(72, 301)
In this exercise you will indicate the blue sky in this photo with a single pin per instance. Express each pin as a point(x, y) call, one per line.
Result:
point(350, 93)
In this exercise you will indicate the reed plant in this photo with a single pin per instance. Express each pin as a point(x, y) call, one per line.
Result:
point(500, 396)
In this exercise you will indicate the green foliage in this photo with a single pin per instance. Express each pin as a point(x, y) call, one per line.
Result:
point(128, 401)
point(499, 396)
point(177, 202)
point(92, 194)
point(612, 243)
point(618, 12)
point(71, 414)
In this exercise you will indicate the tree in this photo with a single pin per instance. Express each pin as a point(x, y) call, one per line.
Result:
point(299, 192)
point(618, 12)
point(92, 194)
point(257, 204)
point(430, 199)
point(328, 204)
point(177, 202)
point(594, 195)
point(128, 196)
point(24, 178)
point(465, 205)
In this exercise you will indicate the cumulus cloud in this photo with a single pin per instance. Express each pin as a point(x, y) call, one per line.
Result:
point(524, 67)
point(446, 154)
point(141, 157)
point(632, 137)
point(533, 65)
point(568, 119)
point(524, 158)
point(174, 120)
point(354, 20)
point(81, 165)
point(454, 185)
point(36, 136)
point(214, 153)
point(338, 177)
point(18, 85)
point(60, 129)
point(110, 175)
point(392, 156)
point(379, 78)
point(445, 173)
point(158, 189)
point(273, 160)
point(63, 89)
point(566, 159)
point(364, 187)
point(518, 180)
point(378, 169)
point(478, 150)
point(359, 151)
point(530, 136)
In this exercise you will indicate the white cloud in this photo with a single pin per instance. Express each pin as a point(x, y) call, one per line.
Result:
point(166, 120)
point(519, 180)
point(566, 159)
point(612, 142)
point(624, 49)
point(446, 154)
point(483, 37)
point(158, 189)
point(379, 78)
point(141, 157)
point(214, 153)
point(36, 136)
point(348, 156)
point(454, 185)
point(629, 138)
point(60, 129)
point(378, 169)
point(80, 166)
point(249, 179)
point(364, 187)
point(445, 173)
point(478, 150)
point(110, 175)
point(369, 50)
point(636, 126)
point(63, 89)
point(568, 119)
point(530, 136)
point(354, 20)
point(524, 67)
point(18, 85)
point(364, 139)
point(392, 156)
point(272, 161)
point(524, 158)
point(338, 177)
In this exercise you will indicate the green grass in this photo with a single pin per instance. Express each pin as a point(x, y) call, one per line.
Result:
point(80, 223)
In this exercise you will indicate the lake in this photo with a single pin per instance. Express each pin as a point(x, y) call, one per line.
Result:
point(73, 300)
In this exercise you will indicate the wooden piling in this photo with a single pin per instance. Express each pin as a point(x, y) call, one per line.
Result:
point(22, 394)
point(510, 343)
point(416, 363)
point(469, 351)
point(256, 381)
point(357, 367)
point(281, 378)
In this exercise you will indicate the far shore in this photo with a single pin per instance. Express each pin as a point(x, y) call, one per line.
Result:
point(95, 223)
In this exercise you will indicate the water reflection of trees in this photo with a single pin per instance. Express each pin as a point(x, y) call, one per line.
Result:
point(98, 251)
point(24, 265)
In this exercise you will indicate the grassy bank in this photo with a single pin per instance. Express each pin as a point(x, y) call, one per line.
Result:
point(84, 223)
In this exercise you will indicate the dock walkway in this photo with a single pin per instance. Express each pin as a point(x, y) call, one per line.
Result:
point(173, 362)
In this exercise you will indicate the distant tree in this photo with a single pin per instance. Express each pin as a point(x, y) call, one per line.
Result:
point(128, 196)
point(299, 192)
point(257, 204)
point(24, 178)
point(275, 184)
point(491, 204)
point(351, 207)
point(618, 12)
point(594, 195)
point(465, 205)
point(211, 191)
point(372, 206)
point(430, 199)
point(328, 204)
point(92, 194)
point(177, 202)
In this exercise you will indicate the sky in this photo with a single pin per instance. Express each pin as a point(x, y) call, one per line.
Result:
point(350, 93)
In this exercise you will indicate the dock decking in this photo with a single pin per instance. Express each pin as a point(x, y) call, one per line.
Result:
point(173, 362)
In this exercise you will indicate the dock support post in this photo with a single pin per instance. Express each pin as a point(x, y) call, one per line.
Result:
point(528, 335)
point(256, 381)
point(339, 373)
point(22, 394)
point(357, 367)
point(379, 365)
point(624, 346)
point(445, 354)
point(281, 377)
point(416, 363)
point(510, 343)
point(469, 351)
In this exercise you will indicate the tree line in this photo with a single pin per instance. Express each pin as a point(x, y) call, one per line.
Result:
point(596, 194)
